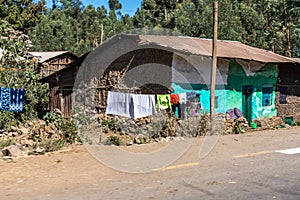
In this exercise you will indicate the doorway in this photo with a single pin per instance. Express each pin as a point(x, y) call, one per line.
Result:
point(247, 102)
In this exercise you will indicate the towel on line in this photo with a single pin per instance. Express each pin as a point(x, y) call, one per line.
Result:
point(130, 105)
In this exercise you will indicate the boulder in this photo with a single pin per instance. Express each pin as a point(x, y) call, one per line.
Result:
point(24, 130)
point(12, 150)
point(141, 139)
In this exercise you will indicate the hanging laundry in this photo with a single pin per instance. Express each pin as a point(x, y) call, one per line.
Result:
point(174, 98)
point(130, 105)
point(182, 98)
point(142, 106)
point(163, 101)
point(118, 104)
point(175, 105)
point(190, 95)
point(12, 99)
point(16, 100)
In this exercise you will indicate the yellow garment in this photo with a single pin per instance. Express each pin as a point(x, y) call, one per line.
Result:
point(163, 101)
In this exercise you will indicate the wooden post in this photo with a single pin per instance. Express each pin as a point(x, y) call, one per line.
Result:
point(102, 32)
point(214, 61)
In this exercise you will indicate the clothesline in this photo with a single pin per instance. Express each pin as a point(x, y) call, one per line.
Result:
point(142, 105)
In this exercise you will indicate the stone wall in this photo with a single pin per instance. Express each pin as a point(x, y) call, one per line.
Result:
point(290, 109)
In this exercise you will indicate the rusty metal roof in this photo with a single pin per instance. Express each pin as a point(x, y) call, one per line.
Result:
point(44, 56)
point(225, 49)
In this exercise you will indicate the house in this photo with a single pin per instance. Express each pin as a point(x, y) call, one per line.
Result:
point(52, 61)
point(153, 64)
point(288, 91)
point(61, 87)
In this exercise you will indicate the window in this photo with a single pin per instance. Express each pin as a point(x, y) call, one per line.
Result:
point(216, 102)
point(283, 95)
point(267, 95)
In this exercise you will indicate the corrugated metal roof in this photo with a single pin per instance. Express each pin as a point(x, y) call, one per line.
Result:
point(44, 56)
point(225, 49)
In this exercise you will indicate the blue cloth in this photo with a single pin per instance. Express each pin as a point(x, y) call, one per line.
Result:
point(190, 95)
point(12, 99)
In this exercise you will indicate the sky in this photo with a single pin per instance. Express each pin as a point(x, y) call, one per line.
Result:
point(128, 6)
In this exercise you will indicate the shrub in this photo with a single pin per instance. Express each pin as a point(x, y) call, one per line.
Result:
point(6, 143)
point(115, 140)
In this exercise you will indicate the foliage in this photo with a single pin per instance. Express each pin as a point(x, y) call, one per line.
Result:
point(18, 71)
point(272, 25)
point(115, 140)
point(69, 130)
point(53, 118)
point(109, 125)
point(6, 119)
point(204, 125)
point(22, 14)
point(50, 145)
point(236, 128)
point(67, 126)
point(80, 116)
point(6, 143)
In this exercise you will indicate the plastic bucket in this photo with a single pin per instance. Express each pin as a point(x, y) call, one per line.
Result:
point(254, 125)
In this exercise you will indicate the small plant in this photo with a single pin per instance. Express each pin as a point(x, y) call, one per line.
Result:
point(69, 130)
point(236, 128)
point(52, 118)
point(115, 140)
point(6, 143)
point(105, 130)
point(6, 120)
point(50, 145)
point(138, 131)
point(204, 125)
point(80, 116)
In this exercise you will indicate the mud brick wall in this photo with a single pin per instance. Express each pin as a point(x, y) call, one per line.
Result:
point(126, 75)
point(289, 79)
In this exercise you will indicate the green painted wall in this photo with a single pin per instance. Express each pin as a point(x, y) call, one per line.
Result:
point(231, 95)
point(237, 78)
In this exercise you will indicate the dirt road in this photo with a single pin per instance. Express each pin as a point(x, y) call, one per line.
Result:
point(75, 173)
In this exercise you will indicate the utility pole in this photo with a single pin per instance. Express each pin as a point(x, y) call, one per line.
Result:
point(101, 36)
point(214, 62)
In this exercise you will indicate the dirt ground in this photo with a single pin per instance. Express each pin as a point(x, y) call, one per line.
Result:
point(74, 166)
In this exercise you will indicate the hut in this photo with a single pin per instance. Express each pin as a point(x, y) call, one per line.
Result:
point(153, 64)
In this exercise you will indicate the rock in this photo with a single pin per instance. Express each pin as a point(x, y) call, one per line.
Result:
point(13, 134)
point(24, 130)
point(127, 140)
point(12, 150)
point(40, 150)
point(13, 128)
point(27, 143)
point(141, 139)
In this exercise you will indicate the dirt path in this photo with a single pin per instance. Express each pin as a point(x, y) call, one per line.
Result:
point(74, 167)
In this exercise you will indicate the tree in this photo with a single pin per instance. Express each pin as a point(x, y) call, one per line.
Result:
point(22, 14)
point(18, 71)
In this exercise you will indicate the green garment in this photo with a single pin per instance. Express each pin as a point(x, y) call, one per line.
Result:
point(163, 101)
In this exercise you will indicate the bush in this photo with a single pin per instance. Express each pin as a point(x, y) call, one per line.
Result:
point(6, 119)
point(115, 140)
point(6, 143)
point(50, 145)
point(52, 118)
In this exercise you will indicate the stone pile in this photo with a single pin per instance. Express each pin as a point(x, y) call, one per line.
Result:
point(268, 123)
point(27, 137)
point(239, 125)
point(140, 131)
